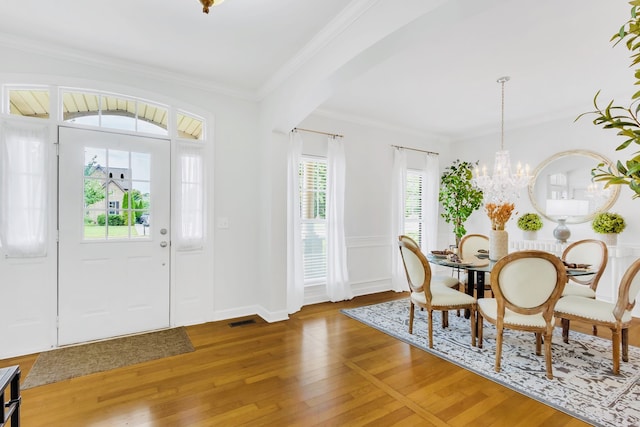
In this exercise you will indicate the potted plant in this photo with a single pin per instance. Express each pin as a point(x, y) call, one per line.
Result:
point(609, 225)
point(530, 223)
point(458, 196)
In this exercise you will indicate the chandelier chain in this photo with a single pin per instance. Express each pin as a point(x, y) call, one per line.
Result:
point(502, 118)
point(502, 185)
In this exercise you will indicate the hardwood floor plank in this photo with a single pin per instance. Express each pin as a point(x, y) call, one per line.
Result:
point(320, 368)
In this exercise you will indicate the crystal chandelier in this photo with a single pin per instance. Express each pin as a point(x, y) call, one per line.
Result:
point(503, 185)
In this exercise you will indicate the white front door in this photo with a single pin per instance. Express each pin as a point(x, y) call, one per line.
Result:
point(114, 204)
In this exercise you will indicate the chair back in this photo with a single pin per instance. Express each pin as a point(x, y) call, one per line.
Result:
point(470, 244)
point(416, 265)
point(628, 290)
point(588, 251)
point(528, 282)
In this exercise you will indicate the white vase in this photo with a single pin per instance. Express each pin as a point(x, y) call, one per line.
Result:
point(529, 235)
point(611, 239)
point(498, 244)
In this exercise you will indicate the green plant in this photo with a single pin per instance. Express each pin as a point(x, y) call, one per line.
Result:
point(530, 222)
point(458, 196)
point(113, 219)
point(607, 222)
point(623, 119)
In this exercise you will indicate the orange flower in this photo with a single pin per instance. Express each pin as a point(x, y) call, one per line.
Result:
point(499, 214)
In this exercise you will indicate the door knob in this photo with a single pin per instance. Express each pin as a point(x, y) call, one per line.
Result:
point(163, 244)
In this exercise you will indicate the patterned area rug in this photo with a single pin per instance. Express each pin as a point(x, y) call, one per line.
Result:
point(74, 361)
point(583, 385)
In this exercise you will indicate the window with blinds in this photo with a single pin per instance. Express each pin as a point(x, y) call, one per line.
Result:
point(313, 191)
point(413, 206)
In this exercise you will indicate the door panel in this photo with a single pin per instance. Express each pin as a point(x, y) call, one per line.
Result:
point(114, 204)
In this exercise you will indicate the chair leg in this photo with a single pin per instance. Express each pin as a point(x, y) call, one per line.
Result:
point(445, 319)
point(615, 338)
point(430, 326)
point(473, 326)
point(479, 325)
point(411, 310)
point(625, 344)
point(498, 347)
point(565, 330)
point(595, 330)
point(547, 354)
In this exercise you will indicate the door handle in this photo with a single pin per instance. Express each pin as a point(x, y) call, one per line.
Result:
point(163, 244)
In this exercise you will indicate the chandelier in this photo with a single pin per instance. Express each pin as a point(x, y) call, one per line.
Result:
point(503, 185)
point(206, 4)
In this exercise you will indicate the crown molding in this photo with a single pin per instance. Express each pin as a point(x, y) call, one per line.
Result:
point(354, 10)
point(376, 123)
point(110, 63)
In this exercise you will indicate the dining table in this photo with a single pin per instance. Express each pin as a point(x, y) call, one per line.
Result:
point(477, 268)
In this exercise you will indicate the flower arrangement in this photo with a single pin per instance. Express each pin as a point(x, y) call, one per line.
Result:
point(530, 222)
point(499, 214)
point(608, 222)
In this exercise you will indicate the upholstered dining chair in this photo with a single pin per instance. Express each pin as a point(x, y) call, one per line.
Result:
point(431, 295)
point(439, 280)
point(468, 248)
point(450, 282)
point(616, 316)
point(588, 251)
point(526, 286)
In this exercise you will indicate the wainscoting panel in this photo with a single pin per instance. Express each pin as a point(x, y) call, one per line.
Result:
point(369, 263)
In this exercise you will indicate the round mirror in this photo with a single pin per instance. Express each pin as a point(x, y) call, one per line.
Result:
point(562, 188)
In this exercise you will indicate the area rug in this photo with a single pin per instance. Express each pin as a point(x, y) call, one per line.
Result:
point(583, 385)
point(74, 361)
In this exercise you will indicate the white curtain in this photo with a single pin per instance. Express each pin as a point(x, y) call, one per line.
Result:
point(430, 203)
point(338, 287)
point(23, 190)
point(398, 184)
point(190, 197)
point(295, 274)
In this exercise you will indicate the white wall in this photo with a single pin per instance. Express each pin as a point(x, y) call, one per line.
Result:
point(243, 268)
point(217, 283)
point(369, 161)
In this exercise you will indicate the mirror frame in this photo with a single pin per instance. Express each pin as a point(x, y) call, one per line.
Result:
point(598, 158)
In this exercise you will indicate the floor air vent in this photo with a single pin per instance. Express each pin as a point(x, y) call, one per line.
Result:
point(242, 323)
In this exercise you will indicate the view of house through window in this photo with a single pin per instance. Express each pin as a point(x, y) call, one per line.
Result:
point(413, 208)
point(116, 194)
point(313, 191)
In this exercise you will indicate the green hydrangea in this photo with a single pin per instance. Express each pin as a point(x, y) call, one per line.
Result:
point(608, 222)
point(530, 222)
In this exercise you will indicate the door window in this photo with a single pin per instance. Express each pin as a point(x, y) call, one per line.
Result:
point(117, 189)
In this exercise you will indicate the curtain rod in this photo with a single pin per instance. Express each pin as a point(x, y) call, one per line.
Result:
point(320, 132)
point(415, 149)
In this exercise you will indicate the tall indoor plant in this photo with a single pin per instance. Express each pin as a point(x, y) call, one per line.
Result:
point(623, 119)
point(458, 196)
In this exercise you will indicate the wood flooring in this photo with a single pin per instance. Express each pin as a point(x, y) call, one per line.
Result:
point(320, 368)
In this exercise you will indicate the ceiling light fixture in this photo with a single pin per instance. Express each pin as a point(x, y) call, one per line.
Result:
point(503, 185)
point(206, 4)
